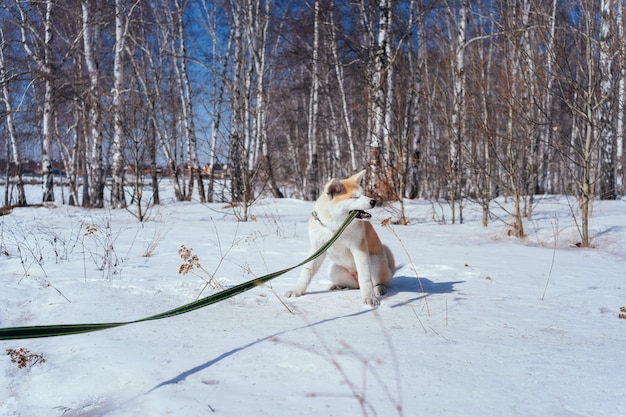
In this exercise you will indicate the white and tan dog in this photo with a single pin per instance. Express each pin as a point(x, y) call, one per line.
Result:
point(359, 259)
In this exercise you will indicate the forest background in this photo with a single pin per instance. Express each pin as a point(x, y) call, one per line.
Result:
point(457, 100)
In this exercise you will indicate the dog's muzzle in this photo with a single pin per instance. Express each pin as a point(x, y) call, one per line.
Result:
point(364, 215)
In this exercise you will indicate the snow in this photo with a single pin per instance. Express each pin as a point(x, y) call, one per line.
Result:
point(494, 325)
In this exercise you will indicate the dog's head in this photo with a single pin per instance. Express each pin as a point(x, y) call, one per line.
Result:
point(348, 195)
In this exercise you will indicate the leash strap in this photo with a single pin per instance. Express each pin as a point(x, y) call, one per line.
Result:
point(32, 332)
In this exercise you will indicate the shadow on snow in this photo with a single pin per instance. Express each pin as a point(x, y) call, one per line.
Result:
point(399, 285)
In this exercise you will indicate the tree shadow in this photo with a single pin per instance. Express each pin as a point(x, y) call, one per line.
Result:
point(183, 375)
point(399, 285)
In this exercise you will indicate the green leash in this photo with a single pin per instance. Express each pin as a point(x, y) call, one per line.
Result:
point(32, 332)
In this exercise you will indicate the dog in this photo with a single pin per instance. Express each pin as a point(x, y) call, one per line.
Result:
point(359, 260)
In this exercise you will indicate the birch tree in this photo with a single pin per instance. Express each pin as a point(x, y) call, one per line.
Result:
point(38, 46)
point(312, 155)
point(458, 108)
point(5, 79)
point(607, 86)
point(153, 70)
point(118, 199)
point(549, 170)
point(621, 101)
point(238, 151)
point(219, 66)
point(380, 132)
point(339, 73)
point(482, 155)
point(186, 105)
point(257, 38)
point(585, 103)
point(93, 195)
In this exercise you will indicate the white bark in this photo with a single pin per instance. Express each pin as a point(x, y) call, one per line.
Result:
point(621, 97)
point(218, 97)
point(238, 141)
point(342, 93)
point(47, 122)
point(45, 67)
point(388, 110)
point(485, 183)
point(118, 199)
point(458, 108)
point(8, 110)
point(182, 78)
point(379, 105)
point(607, 179)
point(312, 163)
point(550, 172)
point(95, 197)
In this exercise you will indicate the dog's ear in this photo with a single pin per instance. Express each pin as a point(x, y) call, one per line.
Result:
point(333, 187)
point(358, 177)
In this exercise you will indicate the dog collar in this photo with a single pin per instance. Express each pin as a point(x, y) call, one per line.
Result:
point(316, 217)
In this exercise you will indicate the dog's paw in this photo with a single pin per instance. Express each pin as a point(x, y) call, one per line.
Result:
point(380, 289)
point(293, 293)
point(371, 301)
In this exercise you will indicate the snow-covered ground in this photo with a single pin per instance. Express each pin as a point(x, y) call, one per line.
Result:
point(495, 326)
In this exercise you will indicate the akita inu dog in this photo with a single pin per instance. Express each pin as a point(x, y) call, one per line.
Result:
point(359, 259)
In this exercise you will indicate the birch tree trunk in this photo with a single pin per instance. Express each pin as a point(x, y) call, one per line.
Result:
point(342, 93)
point(47, 123)
point(312, 179)
point(549, 172)
point(530, 176)
point(148, 72)
point(422, 105)
point(389, 164)
point(118, 199)
point(70, 153)
point(44, 62)
point(94, 191)
point(8, 109)
point(621, 102)
point(587, 179)
point(458, 107)
point(216, 105)
point(379, 105)
point(257, 32)
point(485, 186)
point(607, 85)
point(182, 77)
point(237, 140)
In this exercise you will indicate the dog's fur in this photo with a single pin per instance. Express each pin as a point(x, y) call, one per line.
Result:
point(359, 259)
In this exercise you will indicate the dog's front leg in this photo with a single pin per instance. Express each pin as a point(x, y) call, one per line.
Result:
point(306, 275)
point(364, 273)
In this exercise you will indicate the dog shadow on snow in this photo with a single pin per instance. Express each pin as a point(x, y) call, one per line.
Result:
point(422, 288)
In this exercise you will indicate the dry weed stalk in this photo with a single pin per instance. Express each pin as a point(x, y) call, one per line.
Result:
point(190, 264)
point(388, 224)
point(340, 358)
point(103, 254)
point(269, 286)
point(23, 358)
